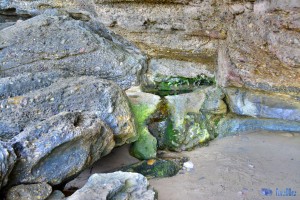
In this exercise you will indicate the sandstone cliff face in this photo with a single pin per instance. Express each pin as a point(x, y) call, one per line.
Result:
point(252, 44)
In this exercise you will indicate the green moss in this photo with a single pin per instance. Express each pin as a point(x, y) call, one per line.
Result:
point(146, 145)
point(165, 86)
point(183, 83)
point(171, 134)
point(157, 168)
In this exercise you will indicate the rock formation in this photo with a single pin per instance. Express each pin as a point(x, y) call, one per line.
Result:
point(204, 68)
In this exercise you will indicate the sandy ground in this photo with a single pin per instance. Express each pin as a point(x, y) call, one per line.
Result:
point(235, 167)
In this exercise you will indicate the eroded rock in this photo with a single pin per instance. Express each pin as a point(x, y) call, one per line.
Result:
point(60, 147)
point(117, 185)
point(263, 105)
point(39, 191)
point(78, 94)
point(62, 43)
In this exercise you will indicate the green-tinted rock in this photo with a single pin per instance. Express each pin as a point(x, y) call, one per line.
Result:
point(143, 105)
point(177, 124)
point(157, 168)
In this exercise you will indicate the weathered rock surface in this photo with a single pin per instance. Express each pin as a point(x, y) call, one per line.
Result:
point(59, 126)
point(262, 49)
point(78, 94)
point(263, 105)
point(39, 191)
point(32, 8)
point(234, 124)
point(74, 46)
point(143, 105)
point(7, 160)
point(60, 147)
point(181, 37)
point(117, 185)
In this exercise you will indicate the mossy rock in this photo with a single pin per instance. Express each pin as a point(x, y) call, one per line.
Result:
point(142, 106)
point(178, 85)
point(157, 168)
point(145, 147)
point(176, 124)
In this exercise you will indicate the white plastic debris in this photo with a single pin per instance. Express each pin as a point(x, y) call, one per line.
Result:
point(188, 165)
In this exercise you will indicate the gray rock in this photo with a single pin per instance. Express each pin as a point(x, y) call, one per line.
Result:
point(24, 83)
point(78, 94)
point(77, 47)
point(60, 147)
point(39, 191)
point(56, 195)
point(234, 124)
point(117, 185)
point(263, 105)
point(214, 101)
point(7, 160)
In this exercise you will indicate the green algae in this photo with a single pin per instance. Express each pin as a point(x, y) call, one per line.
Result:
point(157, 168)
point(178, 85)
point(146, 145)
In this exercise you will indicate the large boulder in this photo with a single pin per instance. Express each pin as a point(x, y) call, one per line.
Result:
point(57, 42)
point(59, 126)
point(78, 94)
point(60, 147)
point(117, 185)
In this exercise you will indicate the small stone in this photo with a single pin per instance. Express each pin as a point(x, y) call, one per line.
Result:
point(32, 191)
point(237, 9)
